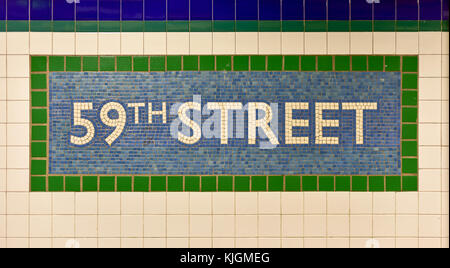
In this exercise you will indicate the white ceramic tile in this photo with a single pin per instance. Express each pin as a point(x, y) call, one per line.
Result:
point(361, 43)
point(200, 203)
point(40, 43)
point(177, 226)
point(384, 43)
point(17, 203)
point(430, 43)
point(86, 43)
point(429, 134)
point(2, 66)
point(430, 88)
point(269, 203)
point(2, 134)
point(407, 43)
point(17, 43)
point(384, 225)
point(430, 203)
point(361, 225)
point(444, 46)
point(445, 65)
point(444, 88)
point(132, 225)
point(63, 226)
point(86, 203)
point(292, 43)
point(132, 203)
point(201, 43)
point(132, 43)
point(2, 88)
point(3, 111)
point(3, 43)
point(109, 225)
point(17, 112)
point(316, 43)
point(427, 65)
point(384, 203)
point(246, 43)
point(361, 203)
point(109, 43)
point(429, 157)
point(315, 225)
point(18, 66)
point(155, 203)
point(224, 43)
point(40, 203)
point(109, 203)
point(155, 226)
point(155, 43)
point(63, 203)
point(223, 226)
point(177, 43)
point(407, 203)
point(18, 157)
point(17, 226)
point(64, 43)
point(177, 203)
point(245, 225)
point(2, 180)
point(429, 226)
point(338, 225)
point(3, 160)
point(86, 226)
point(223, 203)
point(18, 135)
point(445, 112)
point(430, 112)
point(338, 43)
point(269, 43)
point(40, 226)
point(18, 88)
point(18, 179)
point(200, 225)
point(315, 203)
point(338, 203)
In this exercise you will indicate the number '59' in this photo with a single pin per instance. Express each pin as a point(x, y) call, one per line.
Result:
point(118, 123)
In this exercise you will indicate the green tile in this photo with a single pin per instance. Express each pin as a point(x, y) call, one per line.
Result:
point(90, 184)
point(207, 63)
point(276, 183)
point(209, 184)
point(384, 25)
point(361, 25)
point(38, 81)
point(409, 131)
point(269, 25)
point(376, 183)
point(409, 115)
point(107, 64)
point(359, 63)
point(224, 26)
point(190, 63)
point(409, 148)
point(201, 26)
point(223, 63)
point(140, 64)
point(73, 64)
point(18, 26)
point(409, 81)
point(73, 184)
point(409, 183)
point(326, 183)
point(342, 183)
point(141, 183)
point(409, 98)
point(39, 116)
point(107, 184)
point(274, 63)
point(359, 183)
point(325, 63)
point(246, 26)
point(258, 63)
point(173, 63)
point(393, 183)
point(109, 26)
point(316, 26)
point(38, 149)
point(38, 64)
point(39, 133)
point(175, 184)
point(86, 26)
point(38, 98)
point(376, 63)
point(177, 26)
point(157, 63)
point(309, 183)
point(259, 183)
point(155, 26)
point(445, 25)
point(293, 183)
point(56, 63)
point(158, 184)
point(63, 26)
point(38, 184)
point(342, 63)
point(338, 26)
point(410, 64)
point(409, 165)
point(242, 183)
point(291, 63)
point(392, 63)
point(240, 63)
point(90, 64)
point(124, 64)
point(2, 26)
point(124, 184)
point(192, 184)
point(56, 183)
point(132, 26)
point(308, 63)
point(225, 183)
point(407, 26)
point(292, 26)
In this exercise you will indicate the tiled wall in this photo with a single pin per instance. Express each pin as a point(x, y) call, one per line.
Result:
point(226, 219)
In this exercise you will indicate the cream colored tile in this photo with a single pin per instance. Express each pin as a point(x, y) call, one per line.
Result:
point(109, 203)
point(2, 226)
point(108, 225)
point(132, 43)
point(63, 226)
point(315, 203)
point(223, 242)
point(429, 134)
point(18, 157)
point(223, 226)
point(155, 203)
point(17, 43)
point(292, 242)
point(384, 225)
point(361, 203)
point(177, 43)
point(316, 43)
point(361, 43)
point(338, 243)
point(338, 43)
point(86, 203)
point(445, 112)
point(445, 64)
point(269, 226)
point(132, 243)
point(292, 225)
point(40, 242)
point(292, 43)
point(155, 43)
point(338, 226)
point(86, 43)
point(430, 88)
point(444, 134)
point(177, 203)
point(18, 135)
point(177, 226)
point(68, 242)
point(269, 203)
point(17, 203)
point(383, 43)
point(407, 203)
point(2, 157)
point(444, 45)
point(132, 203)
point(429, 157)
point(200, 226)
point(246, 226)
point(3, 43)
point(155, 226)
point(18, 180)
point(200, 203)
point(200, 243)
point(386, 242)
point(40, 226)
point(428, 65)
point(16, 112)
point(2, 88)
point(17, 66)
point(64, 43)
point(445, 180)
point(86, 226)
point(63, 203)
point(2, 66)
point(384, 203)
point(430, 225)
point(109, 43)
point(132, 225)
point(291, 203)
point(223, 203)
point(363, 242)
point(41, 43)
point(429, 243)
point(430, 112)
point(360, 225)
point(109, 242)
point(444, 88)
point(224, 43)
point(40, 203)
point(177, 242)
point(88, 242)
point(407, 43)
point(430, 203)
point(315, 225)
point(430, 43)
point(200, 43)
point(315, 242)
point(269, 243)
point(269, 43)
point(429, 180)
point(17, 242)
point(246, 203)
point(18, 88)
point(246, 243)
point(2, 111)
point(246, 43)
point(3, 204)
point(444, 157)
point(154, 242)
point(2, 180)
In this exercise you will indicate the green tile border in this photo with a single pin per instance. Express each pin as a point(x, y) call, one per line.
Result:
point(41, 181)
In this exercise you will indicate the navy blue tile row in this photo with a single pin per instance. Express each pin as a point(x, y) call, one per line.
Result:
point(161, 10)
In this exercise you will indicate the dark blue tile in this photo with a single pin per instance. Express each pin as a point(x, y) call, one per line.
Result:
point(2, 9)
point(224, 9)
point(86, 10)
point(269, 9)
point(315, 9)
point(132, 9)
point(385, 10)
point(201, 9)
point(109, 10)
point(246, 9)
point(17, 10)
point(63, 10)
point(292, 10)
point(407, 10)
point(41, 10)
point(361, 10)
point(155, 10)
point(430, 10)
point(178, 9)
point(338, 9)
point(445, 10)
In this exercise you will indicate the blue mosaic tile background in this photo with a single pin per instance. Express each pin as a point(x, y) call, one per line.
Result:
point(149, 149)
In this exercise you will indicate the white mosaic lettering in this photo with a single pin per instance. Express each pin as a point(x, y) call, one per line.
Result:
point(78, 121)
point(190, 123)
point(262, 123)
point(320, 122)
point(136, 107)
point(359, 108)
point(224, 107)
point(118, 123)
point(151, 113)
point(289, 122)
